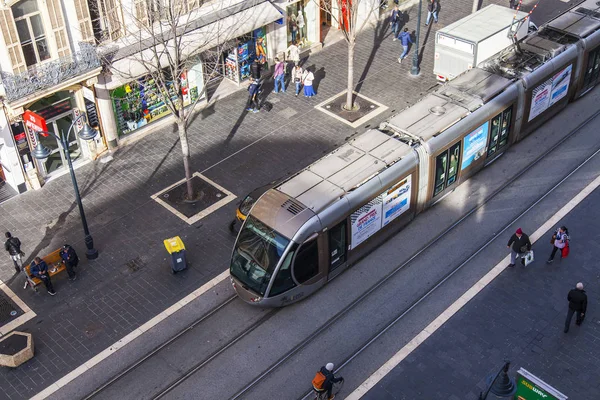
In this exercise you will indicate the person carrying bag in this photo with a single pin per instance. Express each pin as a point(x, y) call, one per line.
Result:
point(559, 241)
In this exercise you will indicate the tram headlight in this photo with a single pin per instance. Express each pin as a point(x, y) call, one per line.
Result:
point(255, 299)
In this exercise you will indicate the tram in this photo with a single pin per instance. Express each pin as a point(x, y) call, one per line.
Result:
point(306, 230)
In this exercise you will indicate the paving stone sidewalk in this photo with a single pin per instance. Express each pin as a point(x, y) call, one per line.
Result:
point(519, 316)
point(131, 281)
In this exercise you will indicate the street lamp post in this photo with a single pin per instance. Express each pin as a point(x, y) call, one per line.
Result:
point(41, 152)
point(500, 384)
point(415, 67)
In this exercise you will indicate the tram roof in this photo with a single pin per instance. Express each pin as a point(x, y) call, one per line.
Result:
point(581, 20)
point(345, 169)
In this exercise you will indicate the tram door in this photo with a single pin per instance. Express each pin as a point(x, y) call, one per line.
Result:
point(337, 246)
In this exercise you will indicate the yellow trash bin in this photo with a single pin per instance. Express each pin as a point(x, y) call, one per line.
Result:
point(176, 249)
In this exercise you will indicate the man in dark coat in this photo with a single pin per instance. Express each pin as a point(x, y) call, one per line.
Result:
point(69, 257)
point(39, 269)
point(577, 304)
point(252, 103)
point(520, 244)
point(13, 246)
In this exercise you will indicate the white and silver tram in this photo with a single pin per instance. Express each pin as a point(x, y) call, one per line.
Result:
point(308, 229)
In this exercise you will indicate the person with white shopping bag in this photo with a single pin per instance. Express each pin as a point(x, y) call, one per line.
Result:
point(520, 245)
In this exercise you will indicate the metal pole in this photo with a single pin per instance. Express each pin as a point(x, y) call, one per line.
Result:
point(91, 252)
point(415, 67)
point(475, 6)
point(504, 368)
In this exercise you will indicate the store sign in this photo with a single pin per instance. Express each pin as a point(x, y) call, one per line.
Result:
point(34, 123)
point(550, 92)
point(530, 387)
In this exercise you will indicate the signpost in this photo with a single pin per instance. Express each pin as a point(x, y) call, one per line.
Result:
point(530, 387)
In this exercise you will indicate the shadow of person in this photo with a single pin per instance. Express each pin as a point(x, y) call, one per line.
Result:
point(319, 75)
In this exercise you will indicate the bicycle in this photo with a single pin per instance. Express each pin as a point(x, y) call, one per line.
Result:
point(322, 395)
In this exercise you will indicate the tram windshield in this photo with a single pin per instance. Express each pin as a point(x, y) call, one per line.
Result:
point(256, 255)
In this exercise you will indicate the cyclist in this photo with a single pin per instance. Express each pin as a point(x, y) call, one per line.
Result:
point(324, 381)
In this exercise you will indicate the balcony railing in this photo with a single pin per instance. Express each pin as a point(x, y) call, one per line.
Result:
point(47, 75)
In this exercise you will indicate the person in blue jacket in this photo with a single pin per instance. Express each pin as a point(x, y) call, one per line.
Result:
point(39, 269)
point(69, 257)
point(405, 40)
point(252, 103)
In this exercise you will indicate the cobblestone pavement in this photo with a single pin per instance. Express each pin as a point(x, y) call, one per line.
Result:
point(519, 316)
point(237, 150)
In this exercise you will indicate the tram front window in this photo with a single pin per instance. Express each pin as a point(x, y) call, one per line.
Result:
point(256, 255)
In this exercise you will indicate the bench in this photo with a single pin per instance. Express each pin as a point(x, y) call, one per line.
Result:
point(55, 266)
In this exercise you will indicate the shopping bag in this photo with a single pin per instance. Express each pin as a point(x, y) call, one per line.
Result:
point(565, 251)
point(528, 258)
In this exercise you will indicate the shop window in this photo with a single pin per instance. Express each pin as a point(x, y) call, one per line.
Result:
point(499, 131)
point(283, 281)
point(446, 168)
point(250, 47)
point(298, 19)
point(31, 32)
point(306, 264)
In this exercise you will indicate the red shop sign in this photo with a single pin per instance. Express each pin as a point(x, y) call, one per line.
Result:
point(34, 123)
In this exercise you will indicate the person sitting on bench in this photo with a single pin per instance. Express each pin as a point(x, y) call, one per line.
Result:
point(39, 269)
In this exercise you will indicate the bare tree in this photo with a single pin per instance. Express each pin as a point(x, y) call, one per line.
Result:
point(351, 16)
point(169, 38)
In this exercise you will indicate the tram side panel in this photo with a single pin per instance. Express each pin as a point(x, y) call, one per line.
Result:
point(547, 90)
point(462, 150)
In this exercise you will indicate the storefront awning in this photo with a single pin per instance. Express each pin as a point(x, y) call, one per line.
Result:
point(209, 30)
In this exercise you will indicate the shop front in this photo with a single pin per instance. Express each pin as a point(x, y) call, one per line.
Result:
point(303, 19)
point(245, 49)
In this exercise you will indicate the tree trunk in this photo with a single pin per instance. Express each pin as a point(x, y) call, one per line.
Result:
point(350, 94)
point(185, 150)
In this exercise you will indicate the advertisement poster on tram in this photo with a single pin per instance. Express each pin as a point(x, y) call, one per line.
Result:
point(540, 99)
point(396, 200)
point(560, 84)
point(366, 221)
point(474, 147)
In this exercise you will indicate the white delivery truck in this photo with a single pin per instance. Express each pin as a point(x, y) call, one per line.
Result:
point(466, 43)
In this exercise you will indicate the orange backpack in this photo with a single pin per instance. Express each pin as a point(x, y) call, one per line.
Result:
point(318, 381)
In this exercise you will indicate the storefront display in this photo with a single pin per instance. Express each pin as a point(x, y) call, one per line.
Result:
point(140, 102)
point(250, 47)
point(301, 20)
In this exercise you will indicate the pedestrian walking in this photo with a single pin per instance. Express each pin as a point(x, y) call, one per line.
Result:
point(39, 269)
point(432, 10)
point(395, 22)
point(13, 246)
point(577, 304)
point(297, 75)
point(279, 75)
point(307, 80)
point(405, 41)
point(560, 239)
point(69, 257)
point(255, 70)
point(293, 53)
point(519, 244)
point(252, 103)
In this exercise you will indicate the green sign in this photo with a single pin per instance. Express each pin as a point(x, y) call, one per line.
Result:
point(530, 387)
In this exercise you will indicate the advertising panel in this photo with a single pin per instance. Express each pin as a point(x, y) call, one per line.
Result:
point(560, 84)
point(366, 221)
point(530, 387)
point(474, 146)
point(550, 92)
point(396, 200)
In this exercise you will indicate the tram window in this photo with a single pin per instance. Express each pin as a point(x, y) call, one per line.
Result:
point(283, 281)
point(440, 172)
point(306, 264)
point(494, 134)
point(505, 129)
point(337, 245)
point(593, 68)
point(453, 168)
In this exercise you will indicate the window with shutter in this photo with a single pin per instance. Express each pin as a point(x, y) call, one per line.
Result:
point(12, 42)
point(142, 13)
point(85, 21)
point(58, 27)
point(31, 32)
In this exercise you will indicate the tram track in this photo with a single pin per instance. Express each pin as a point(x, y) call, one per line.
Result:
point(183, 377)
point(432, 288)
point(156, 352)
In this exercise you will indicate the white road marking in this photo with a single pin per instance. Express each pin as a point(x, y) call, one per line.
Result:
point(130, 337)
point(397, 358)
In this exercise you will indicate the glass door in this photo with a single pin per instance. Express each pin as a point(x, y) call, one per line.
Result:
point(57, 158)
point(337, 245)
point(55, 161)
